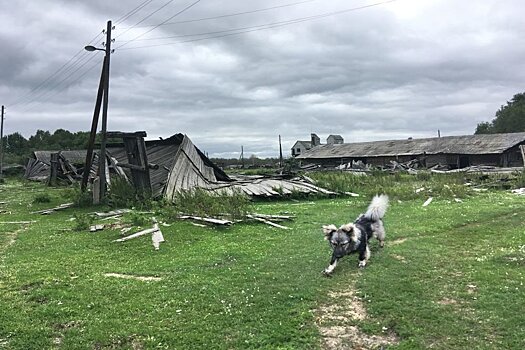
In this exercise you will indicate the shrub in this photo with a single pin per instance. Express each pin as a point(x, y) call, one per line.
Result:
point(200, 202)
point(82, 222)
point(42, 198)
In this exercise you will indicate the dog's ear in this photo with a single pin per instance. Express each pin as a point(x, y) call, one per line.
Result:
point(350, 229)
point(328, 230)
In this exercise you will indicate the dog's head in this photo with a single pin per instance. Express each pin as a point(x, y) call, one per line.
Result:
point(341, 239)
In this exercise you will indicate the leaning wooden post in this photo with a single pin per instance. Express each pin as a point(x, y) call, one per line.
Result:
point(54, 169)
point(522, 148)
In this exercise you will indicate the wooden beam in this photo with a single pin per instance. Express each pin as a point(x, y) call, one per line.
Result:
point(522, 149)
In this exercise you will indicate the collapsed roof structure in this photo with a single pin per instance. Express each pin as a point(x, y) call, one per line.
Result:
point(176, 164)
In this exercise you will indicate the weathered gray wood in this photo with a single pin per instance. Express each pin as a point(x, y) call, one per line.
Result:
point(50, 210)
point(208, 220)
point(18, 222)
point(95, 228)
point(522, 149)
point(138, 234)
point(269, 222)
point(112, 213)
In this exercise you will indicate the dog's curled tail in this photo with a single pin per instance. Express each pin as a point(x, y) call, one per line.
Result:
point(377, 208)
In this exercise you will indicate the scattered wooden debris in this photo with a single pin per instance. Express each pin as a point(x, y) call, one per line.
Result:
point(18, 222)
point(206, 220)
point(51, 210)
point(95, 228)
point(156, 235)
point(274, 217)
point(352, 194)
point(157, 238)
point(428, 201)
point(268, 222)
point(117, 212)
point(133, 277)
point(519, 191)
point(138, 234)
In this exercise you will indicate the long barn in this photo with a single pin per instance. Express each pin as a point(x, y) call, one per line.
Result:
point(502, 150)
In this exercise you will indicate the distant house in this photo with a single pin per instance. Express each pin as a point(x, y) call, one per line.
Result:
point(454, 151)
point(300, 147)
point(335, 140)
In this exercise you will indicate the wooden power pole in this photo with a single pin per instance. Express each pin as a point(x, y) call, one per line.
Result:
point(102, 160)
point(2, 145)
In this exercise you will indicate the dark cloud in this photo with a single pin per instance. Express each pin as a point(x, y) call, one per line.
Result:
point(405, 69)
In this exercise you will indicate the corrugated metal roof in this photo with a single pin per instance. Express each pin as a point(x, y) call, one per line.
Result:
point(469, 144)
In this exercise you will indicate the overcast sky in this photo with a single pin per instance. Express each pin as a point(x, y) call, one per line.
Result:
point(394, 70)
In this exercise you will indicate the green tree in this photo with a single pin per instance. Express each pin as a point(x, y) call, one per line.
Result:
point(509, 118)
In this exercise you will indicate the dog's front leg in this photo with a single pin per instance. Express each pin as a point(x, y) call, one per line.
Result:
point(333, 263)
point(364, 255)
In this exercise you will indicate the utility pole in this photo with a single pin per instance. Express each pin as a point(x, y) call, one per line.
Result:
point(242, 156)
point(2, 146)
point(94, 127)
point(280, 153)
point(102, 160)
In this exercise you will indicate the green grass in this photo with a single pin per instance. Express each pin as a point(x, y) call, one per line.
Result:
point(455, 283)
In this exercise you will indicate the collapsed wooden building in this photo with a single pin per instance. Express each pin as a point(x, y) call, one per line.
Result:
point(501, 150)
point(173, 165)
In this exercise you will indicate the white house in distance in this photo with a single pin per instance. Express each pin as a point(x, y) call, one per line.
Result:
point(300, 147)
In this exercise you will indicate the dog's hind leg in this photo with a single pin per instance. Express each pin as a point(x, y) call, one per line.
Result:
point(379, 233)
point(333, 263)
point(364, 255)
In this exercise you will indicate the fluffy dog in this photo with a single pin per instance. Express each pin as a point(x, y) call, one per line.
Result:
point(354, 237)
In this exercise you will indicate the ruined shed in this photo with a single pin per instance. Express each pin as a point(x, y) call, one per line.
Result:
point(455, 151)
point(182, 166)
point(39, 164)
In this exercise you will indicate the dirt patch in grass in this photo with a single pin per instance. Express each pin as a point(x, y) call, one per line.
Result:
point(336, 324)
point(133, 277)
point(447, 301)
point(397, 241)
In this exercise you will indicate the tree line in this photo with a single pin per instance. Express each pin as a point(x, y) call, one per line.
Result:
point(509, 118)
point(17, 148)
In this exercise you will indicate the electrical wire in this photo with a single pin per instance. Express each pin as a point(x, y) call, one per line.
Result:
point(30, 108)
point(23, 99)
point(158, 25)
point(145, 18)
point(245, 30)
point(229, 15)
point(55, 88)
point(132, 12)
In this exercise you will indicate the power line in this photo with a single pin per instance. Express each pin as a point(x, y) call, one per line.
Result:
point(61, 69)
point(158, 25)
point(230, 15)
point(132, 12)
point(145, 18)
point(54, 90)
point(245, 30)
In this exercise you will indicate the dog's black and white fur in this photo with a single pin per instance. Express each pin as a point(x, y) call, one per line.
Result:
point(354, 237)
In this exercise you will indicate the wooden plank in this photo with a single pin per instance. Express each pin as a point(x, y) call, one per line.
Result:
point(268, 222)
point(208, 220)
point(522, 149)
point(138, 234)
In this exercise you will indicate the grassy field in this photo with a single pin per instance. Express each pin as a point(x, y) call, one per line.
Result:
point(450, 277)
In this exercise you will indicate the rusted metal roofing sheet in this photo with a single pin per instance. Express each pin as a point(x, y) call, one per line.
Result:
point(470, 144)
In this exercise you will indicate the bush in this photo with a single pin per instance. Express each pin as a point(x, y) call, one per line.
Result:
point(200, 202)
point(42, 198)
point(82, 222)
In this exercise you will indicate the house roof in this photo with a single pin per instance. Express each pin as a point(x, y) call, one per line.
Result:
point(338, 137)
point(469, 144)
point(306, 144)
